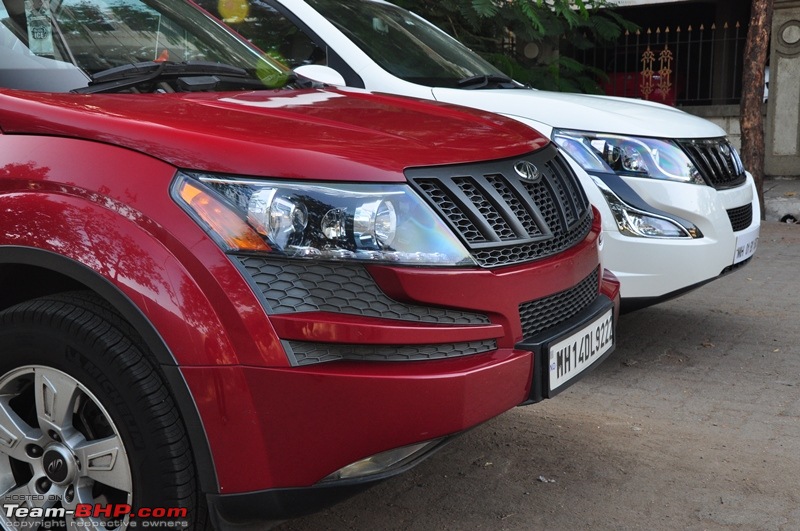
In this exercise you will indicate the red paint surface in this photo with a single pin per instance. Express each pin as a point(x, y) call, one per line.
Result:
point(87, 177)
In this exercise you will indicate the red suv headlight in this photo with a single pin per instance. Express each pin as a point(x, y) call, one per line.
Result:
point(386, 223)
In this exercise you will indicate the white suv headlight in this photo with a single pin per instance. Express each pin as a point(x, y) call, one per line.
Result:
point(632, 221)
point(628, 156)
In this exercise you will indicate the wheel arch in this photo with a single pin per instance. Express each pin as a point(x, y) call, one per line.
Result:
point(30, 273)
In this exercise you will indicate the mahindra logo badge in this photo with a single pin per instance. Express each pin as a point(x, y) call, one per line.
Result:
point(55, 466)
point(527, 171)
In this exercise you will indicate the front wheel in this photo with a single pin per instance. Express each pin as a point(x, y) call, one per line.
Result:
point(86, 422)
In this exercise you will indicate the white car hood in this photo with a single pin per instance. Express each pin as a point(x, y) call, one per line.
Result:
point(585, 112)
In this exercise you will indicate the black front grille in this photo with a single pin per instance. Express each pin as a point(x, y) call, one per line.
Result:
point(503, 218)
point(716, 160)
point(290, 286)
point(741, 217)
point(542, 314)
point(307, 353)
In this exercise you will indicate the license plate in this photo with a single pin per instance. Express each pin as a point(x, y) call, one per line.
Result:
point(746, 245)
point(572, 355)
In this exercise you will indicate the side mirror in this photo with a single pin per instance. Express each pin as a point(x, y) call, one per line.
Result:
point(320, 74)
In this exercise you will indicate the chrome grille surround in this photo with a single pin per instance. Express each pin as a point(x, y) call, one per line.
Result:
point(502, 218)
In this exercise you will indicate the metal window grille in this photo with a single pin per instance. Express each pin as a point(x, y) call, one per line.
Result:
point(695, 64)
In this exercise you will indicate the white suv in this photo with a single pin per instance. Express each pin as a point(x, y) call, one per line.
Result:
point(678, 208)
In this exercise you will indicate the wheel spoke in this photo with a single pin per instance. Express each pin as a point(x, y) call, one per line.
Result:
point(71, 523)
point(83, 496)
point(55, 399)
point(64, 424)
point(106, 462)
point(18, 493)
point(15, 433)
point(18, 497)
point(25, 496)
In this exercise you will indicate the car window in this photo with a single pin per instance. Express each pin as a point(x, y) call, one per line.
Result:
point(21, 67)
point(404, 44)
point(269, 30)
point(102, 35)
point(58, 45)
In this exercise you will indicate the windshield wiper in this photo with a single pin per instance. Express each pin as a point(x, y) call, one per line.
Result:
point(487, 81)
point(191, 76)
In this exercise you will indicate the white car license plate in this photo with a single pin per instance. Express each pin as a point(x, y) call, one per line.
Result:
point(746, 244)
point(573, 354)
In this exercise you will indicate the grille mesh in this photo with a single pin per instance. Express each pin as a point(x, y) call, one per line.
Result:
point(536, 316)
point(486, 208)
point(741, 217)
point(716, 160)
point(306, 353)
point(502, 218)
point(512, 199)
point(461, 222)
point(300, 286)
point(531, 251)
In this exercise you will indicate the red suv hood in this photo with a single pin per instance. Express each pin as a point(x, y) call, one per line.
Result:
point(311, 134)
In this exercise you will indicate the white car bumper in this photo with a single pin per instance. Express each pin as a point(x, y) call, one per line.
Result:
point(654, 269)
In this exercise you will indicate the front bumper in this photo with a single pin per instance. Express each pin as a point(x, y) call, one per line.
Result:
point(651, 270)
point(348, 411)
point(277, 432)
point(352, 410)
point(538, 345)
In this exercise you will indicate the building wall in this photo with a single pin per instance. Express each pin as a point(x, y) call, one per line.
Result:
point(725, 116)
point(782, 154)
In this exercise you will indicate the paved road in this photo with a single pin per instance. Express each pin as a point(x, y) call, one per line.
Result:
point(693, 423)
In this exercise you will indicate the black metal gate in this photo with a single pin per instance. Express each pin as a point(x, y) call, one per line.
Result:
point(695, 64)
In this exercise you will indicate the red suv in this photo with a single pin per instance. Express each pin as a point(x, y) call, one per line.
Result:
point(225, 294)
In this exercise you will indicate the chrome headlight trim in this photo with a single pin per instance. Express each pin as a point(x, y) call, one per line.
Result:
point(630, 156)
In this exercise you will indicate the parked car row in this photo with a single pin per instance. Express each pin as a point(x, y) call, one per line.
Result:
point(241, 283)
point(678, 209)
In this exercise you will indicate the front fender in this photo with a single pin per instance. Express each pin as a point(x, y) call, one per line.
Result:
point(102, 216)
point(109, 210)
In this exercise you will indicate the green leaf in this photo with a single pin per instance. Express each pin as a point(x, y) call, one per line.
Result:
point(485, 8)
point(623, 23)
point(605, 28)
point(484, 25)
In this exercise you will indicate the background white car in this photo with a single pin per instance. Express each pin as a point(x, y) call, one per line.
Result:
point(678, 208)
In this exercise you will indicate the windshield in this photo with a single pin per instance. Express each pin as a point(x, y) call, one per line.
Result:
point(404, 44)
point(58, 45)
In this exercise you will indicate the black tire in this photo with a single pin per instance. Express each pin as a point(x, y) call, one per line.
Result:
point(75, 346)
